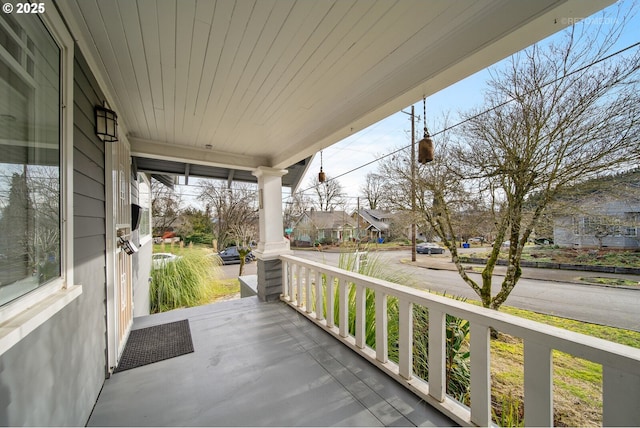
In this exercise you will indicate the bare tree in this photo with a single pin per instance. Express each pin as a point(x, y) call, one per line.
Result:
point(558, 115)
point(438, 192)
point(374, 190)
point(295, 207)
point(328, 195)
point(243, 233)
point(232, 207)
point(165, 206)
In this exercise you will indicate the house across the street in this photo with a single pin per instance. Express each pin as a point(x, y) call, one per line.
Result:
point(601, 213)
point(323, 227)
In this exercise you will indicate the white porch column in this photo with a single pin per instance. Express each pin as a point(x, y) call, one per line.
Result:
point(272, 243)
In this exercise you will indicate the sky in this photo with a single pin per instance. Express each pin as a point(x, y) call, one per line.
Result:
point(340, 159)
point(390, 134)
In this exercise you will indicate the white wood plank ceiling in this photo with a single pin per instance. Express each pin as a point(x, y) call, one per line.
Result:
point(271, 82)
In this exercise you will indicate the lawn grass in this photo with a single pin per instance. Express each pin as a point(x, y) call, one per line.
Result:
point(610, 281)
point(578, 256)
point(618, 335)
point(180, 249)
point(577, 382)
point(221, 289)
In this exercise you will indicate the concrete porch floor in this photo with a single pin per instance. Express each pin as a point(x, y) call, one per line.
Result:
point(257, 364)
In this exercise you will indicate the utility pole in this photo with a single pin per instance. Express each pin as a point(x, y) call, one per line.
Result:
point(413, 183)
point(358, 225)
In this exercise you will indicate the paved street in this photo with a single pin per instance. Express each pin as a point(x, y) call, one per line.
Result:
point(559, 293)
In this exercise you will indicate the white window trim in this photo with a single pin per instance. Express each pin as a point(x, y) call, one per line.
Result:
point(146, 238)
point(25, 314)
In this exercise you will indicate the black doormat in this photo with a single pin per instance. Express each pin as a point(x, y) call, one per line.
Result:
point(157, 343)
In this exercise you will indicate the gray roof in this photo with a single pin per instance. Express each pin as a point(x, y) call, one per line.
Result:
point(328, 219)
point(375, 218)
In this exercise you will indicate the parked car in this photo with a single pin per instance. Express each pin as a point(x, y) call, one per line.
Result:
point(159, 260)
point(230, 255)
point(543, 241)
point(429, 248)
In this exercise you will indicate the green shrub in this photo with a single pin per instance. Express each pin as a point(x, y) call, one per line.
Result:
point(458, 371)
point(181, 283)
point(199, 238)
point(510, 411)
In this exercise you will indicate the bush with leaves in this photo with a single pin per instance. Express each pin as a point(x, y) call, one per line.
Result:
point(181, 283)
point(458, 370)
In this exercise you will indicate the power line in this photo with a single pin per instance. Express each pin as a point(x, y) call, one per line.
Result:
point(470, 118)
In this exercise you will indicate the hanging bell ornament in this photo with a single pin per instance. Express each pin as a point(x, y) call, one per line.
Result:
point(425, 146)
point(321, 175)
point(425, 149)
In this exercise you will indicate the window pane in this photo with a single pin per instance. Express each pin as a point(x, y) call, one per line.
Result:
point(144, 200)
point(29, 156)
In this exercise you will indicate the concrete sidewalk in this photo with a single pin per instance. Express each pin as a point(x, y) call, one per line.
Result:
point(443, 262)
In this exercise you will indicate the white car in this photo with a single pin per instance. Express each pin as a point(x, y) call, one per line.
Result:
point(160, 260)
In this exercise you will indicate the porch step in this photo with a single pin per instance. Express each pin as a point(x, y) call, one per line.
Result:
point(248, 285)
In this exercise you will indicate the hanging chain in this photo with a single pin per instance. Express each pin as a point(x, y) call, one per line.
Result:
point(424, 117)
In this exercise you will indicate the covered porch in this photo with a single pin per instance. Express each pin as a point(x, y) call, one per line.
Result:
point(299, 361)
point(257, 364)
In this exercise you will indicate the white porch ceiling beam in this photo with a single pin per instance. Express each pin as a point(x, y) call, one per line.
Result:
point(189, 154)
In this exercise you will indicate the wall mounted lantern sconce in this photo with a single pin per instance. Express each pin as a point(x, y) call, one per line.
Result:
point(106, 124)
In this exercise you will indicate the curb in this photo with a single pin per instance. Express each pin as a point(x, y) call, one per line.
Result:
point(451, 267)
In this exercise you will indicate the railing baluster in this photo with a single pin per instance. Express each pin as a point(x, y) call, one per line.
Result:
point(307, 289)
point(292, 283)
point(360, 315)
point(382, 342)
point(286, 274)
point(538, 384)
point(319, 297)
point(298, 285)
point(480, 375)
point(620, 392)
point(343, 307)
point(437, 352)
point(405, 338)
point(329, 292)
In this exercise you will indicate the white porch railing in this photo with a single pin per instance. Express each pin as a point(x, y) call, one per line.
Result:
point(620, 364)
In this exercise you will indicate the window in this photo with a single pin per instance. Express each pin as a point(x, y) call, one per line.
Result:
point(30, 166)
point(144, 200)
point(632, 219)
point(601, 226)
point(36, 174)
